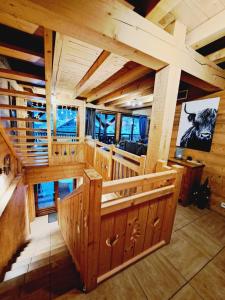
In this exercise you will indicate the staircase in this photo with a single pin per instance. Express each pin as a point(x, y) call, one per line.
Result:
point(44, 269)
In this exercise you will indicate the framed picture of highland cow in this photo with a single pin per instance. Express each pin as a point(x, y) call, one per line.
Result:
point(197, 124)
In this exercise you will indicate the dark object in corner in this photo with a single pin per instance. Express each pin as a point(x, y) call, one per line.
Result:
point(201, 195)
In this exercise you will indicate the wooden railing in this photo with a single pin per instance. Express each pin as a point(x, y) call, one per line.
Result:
point(67, 152)
point(112, 162)
point(105, 237)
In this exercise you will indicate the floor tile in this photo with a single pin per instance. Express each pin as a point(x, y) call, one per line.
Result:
point(184, 256)
point(157, 277)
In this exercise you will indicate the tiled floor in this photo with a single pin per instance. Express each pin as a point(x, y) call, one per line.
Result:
point(191, 267)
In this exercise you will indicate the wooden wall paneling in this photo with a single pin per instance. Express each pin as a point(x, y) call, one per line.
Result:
point(13, 226)
point(152, 211)
point(214, 160)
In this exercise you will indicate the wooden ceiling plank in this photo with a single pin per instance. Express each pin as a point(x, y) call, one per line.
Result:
point(96, 65)
point(207, 32)
point(152, 46)
point(18, 107)
point(134, 87)
point(25, 77)
point(161, 9)
point(128, 77)
point(21, 94)
point(20, 53)
point(217, 56)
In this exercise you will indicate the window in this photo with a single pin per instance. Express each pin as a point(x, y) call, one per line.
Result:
point(105, 127)
point(66, 121)
point(130, 128)
point(65, 186)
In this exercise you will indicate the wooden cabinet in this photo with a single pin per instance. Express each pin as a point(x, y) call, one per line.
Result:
point(191, 178)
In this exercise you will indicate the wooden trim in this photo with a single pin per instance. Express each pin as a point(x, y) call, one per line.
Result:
point(20, 53)
point(25, 95)
point(19, 107)
point(217, 56)
point(25, 77)
point(113, 206)
point(96, 65)
point(130, 261)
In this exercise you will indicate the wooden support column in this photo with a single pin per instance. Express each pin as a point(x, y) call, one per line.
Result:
point(81, 121)
point(164, 105)
point(118, 125)
point(54, 107)
point(163, 112)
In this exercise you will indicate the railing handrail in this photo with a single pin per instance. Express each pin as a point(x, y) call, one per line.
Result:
point(73, 193)
point(140, 180)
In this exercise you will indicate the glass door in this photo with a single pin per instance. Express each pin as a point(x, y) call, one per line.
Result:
point(45, 198)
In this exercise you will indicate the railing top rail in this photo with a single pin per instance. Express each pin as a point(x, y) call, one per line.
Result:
point(130, 201)
point(73, 193)
point(131, 182)
point(128, 154)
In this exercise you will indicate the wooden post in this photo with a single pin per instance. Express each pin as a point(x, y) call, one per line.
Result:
point(163, 110)
point(82, 120)
point(90, 229)
point(169, 215)
point(118, 125)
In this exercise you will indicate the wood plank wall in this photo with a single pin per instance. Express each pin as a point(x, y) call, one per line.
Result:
point(14, 219)
point(215, 159)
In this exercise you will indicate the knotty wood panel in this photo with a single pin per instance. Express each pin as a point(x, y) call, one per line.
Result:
point(215, 159)
point(67, 153)
point(128, 232)
point(13, 226)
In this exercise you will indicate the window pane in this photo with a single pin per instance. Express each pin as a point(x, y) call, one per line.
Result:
point(66, 121)
point(45, 194)
point(126, 127)
point(136, 130)
point(65, 187)
point(105, 127)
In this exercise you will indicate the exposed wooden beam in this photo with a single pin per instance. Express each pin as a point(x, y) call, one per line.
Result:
point(16, 23)
point(135, 87)
point(152, 46)
point(15, 75)
point(131, 97)
point(20, 53)
point(48, 48)
point(207, 32)
point(19, 107)
point(126, 78)
point(217, 56)
point(21, 94)
point(161, 9)
point(21, 119)
point(28, 143)
point(107, 108)
point(96, 65)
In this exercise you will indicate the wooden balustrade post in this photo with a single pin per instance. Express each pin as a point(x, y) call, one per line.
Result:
point(110, 165)
point(169, 218)
point(90, 228)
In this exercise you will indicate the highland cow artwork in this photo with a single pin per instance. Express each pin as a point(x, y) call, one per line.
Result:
point(197, 124)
